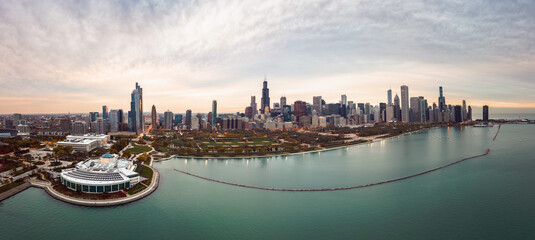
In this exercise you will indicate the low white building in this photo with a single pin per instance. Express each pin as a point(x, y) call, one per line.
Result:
point(86, 142)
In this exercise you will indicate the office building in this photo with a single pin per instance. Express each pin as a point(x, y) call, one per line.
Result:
point(178, 119)
point(441, 100)
point(283, 101)
point(214, 115)
point(93, 116)
point(389, 96)
point(154, 118)
point(254, 108)
point(405, 117)
point(136, 121)
point(168, 120)
point(105, 112)
point(188, 119)
point(114, 120)
point(264, 102)
point(79, 128)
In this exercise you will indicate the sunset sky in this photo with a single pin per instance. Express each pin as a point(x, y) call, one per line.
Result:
point(75, 56)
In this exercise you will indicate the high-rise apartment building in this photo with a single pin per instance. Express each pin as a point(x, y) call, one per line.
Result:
point(486, 113)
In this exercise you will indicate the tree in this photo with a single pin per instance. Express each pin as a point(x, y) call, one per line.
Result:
point(127, 154)
point(142, 158)
point(114, 151)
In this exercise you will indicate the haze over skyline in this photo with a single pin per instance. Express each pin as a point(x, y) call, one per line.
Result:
point(72, 56)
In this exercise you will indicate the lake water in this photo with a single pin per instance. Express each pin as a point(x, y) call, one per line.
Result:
point(490, 197)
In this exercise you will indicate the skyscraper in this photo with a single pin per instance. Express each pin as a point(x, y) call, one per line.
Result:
point(16, 118)
point(423, 109)
point(382, 112)
point(105, 112)
point(168, 120)
point(441, 101)
point(405, 103)
point(265, 98)
point(317, 104)
point(415, 109)
point(300, 109)
point(214, 114)
point(114, 120)
point(397, 108)
point(93, 116)
point(135, 115)
point(178, 119)
point(254, 108)
point(283, 101)
point(465, 111)
point(486, 113)
point(120, 115)
point(343, 99)
point(154, 118)
point(457, 113)
point(188, 119)
point(389, 95)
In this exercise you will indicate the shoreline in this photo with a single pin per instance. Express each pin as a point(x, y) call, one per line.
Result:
point(290, 154)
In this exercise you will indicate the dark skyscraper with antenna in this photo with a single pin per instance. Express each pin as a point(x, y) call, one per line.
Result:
point(441, 100)
point(265, 98)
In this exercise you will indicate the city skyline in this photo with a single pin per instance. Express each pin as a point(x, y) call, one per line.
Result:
point(187, 54)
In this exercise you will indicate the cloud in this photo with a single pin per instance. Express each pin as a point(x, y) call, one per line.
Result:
point(186, 53)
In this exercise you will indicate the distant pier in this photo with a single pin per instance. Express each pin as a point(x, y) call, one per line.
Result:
point(334, 188)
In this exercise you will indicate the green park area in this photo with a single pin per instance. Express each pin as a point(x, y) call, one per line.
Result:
point(137, 149)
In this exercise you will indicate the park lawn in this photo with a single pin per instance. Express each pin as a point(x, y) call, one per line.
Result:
point(236, 142)
point(144, 171)
point(136, 189)
point(137, 149)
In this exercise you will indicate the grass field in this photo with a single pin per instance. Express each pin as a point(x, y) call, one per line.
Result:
point(238, 142)
point(137, 149)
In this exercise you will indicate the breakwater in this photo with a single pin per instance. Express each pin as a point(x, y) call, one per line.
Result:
point(495, 136)
point(334, 188)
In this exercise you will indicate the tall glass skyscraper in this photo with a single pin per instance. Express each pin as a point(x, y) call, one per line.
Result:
point(214, 114)
point(389, 94)
point(135, 115)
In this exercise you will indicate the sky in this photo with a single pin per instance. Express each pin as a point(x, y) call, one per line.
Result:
point(75, 56)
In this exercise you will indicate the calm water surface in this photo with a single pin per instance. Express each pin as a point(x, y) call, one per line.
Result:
point(491, 197)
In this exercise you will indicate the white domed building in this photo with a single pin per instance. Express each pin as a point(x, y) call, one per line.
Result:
point(107, 174)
